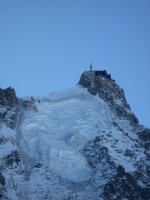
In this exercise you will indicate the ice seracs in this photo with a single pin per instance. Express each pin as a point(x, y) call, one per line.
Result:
point(57, 132)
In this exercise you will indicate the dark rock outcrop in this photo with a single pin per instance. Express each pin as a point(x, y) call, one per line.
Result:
point(3, 194)
point(2, 179)
point(12, 158)
point(29, 104)
point(124, 186)
point(100, 161)
point(106, 88)
point(9, 107)
point(144, 137)
point(143, 172)
point(118, 184)
point(109, 91)
point(123, 113)
point(97, 155)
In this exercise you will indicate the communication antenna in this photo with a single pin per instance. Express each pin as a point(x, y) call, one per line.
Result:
point(91, 67)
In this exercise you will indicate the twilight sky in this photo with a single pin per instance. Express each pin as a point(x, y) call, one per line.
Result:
point(45, 45)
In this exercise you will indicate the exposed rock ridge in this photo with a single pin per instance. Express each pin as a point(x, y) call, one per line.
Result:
point(121, 185)
point(9, 107)
point(144, 167)
point(124, 186)
point(117, 184)
point(28, 104)
point(109, 91)
point(10, 158)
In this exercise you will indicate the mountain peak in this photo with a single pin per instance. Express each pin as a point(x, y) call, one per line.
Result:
point(100, 83)
point(81, 143)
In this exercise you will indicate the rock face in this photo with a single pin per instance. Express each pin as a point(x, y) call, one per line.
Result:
point(12, 158)
point(9, 155)
point(106, 88)
point(28, 104)
point(122, 186)
point(143, 171)
point(2, 179)
point(9, 107)
point(109, 91)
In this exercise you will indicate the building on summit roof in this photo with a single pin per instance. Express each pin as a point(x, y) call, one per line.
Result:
point(100, 72)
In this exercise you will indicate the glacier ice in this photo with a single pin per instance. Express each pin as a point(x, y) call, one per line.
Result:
point(57, 133)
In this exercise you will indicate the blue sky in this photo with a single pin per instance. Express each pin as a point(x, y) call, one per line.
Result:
point(46, 44)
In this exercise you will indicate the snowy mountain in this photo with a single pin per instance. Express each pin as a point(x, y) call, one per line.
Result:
point(78, 144)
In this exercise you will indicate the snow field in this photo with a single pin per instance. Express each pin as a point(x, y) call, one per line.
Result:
point(57, 133)
point(65, 121)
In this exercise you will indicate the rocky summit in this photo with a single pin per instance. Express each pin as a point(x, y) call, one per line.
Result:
point(78, 144)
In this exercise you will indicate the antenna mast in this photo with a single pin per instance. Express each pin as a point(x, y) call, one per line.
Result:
point(91, 67)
